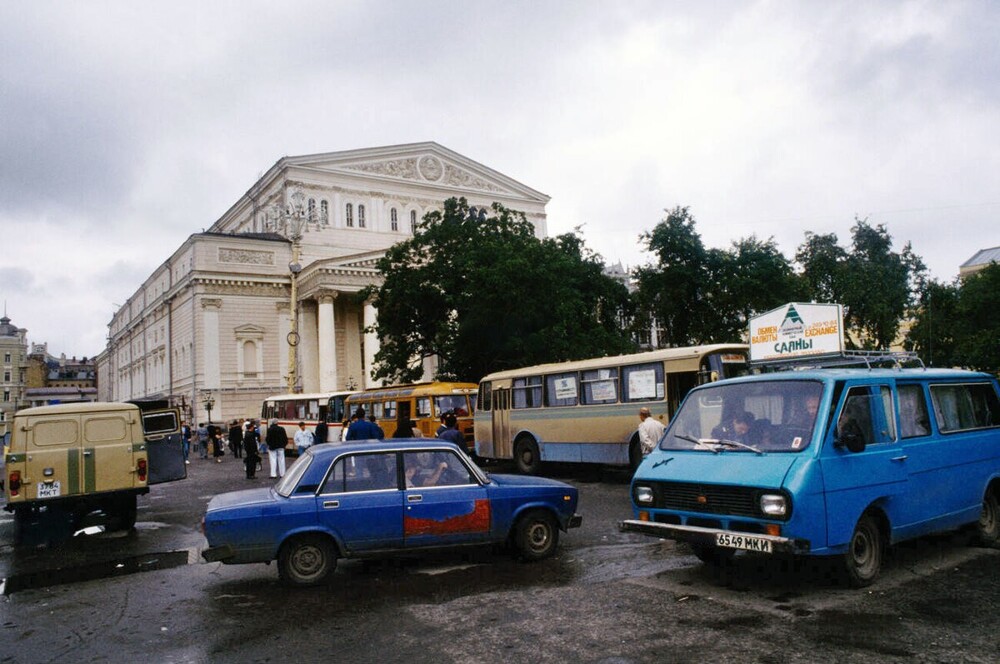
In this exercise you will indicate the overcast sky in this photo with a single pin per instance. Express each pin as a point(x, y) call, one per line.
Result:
point(127, 126)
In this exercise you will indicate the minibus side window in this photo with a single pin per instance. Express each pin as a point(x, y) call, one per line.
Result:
point(856, 416)
point(966, 406)
point(913, 419)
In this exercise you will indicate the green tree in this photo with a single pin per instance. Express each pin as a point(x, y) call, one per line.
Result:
point(977, 327)
point(482, 293)
point(932, 332)
point(822, 262)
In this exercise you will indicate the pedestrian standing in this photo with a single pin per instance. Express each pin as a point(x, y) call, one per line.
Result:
point(650, 431)
point(320, 434)
point(303, 439)
point(203, 440)
point(277, 441)
point(250, 442)
point(236, 439)
point(218, 447)
point(451, 432)
point(186, 441)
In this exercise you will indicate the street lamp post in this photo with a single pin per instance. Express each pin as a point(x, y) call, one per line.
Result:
point(209, 404)
point(292, 220)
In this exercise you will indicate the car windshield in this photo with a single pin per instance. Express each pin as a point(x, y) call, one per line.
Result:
point(751, 417)
point(286, 485)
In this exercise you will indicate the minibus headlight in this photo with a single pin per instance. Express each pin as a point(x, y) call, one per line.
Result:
point(773, 504)
point(643, 494)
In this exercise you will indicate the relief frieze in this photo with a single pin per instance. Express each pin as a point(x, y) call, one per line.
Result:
point(458, 178)
point(405, 169)
point(245, 256)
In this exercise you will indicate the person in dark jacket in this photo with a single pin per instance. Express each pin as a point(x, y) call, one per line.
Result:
point(251, 441)
point(236, 439)
point(320, 434)
point(451, 432)
point(277, 441)
point(362, 429)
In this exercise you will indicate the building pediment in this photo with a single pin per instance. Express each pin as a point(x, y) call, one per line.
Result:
point(427, 164)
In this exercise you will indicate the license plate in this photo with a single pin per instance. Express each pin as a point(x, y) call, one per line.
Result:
point(49, 490)
point(745, 542)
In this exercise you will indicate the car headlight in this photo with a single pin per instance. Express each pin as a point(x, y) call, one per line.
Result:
point(643, 494)
point(773, 504)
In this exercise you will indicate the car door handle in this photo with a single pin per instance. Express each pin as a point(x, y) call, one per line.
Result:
point(330, 504)
point(900, 458)
point(414, 498)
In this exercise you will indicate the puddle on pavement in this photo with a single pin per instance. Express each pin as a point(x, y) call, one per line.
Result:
point(90, 572)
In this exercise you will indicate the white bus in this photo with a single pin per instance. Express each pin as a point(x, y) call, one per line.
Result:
point(290, 409)
point(588, 411)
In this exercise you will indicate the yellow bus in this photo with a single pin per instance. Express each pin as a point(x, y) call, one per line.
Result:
point(587, 411)
point(422, 403)
point(290, 409)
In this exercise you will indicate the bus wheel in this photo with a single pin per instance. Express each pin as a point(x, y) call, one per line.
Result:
point(988, 526)
point(537, 535)
point(863, 560)
point(526, 456)
point(306, 560)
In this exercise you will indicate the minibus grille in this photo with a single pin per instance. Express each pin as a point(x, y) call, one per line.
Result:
point(707, 498)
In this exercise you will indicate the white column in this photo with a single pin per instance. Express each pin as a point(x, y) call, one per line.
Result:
point(372, 345)
point(327, 344)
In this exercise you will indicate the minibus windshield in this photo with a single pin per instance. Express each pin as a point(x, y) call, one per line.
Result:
point(750, 417)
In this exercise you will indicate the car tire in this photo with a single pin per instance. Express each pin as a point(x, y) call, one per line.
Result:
point(537, 535)
point(526, 456)
point(861, 564)
point(306, 560)
point(988, 526)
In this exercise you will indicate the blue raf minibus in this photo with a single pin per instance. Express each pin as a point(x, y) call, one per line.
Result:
point(825, 462)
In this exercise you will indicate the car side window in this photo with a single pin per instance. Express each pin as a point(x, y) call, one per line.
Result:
point(856, 416)
point(435, 468)
point(362, 472)
point(913, 419)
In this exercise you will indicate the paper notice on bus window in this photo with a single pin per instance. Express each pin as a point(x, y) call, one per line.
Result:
point(604, 390)
point(603, 374)
point(565, 388)
point(642, 384)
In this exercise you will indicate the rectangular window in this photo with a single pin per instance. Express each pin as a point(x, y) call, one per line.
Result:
point(454, 403)
point(363, 472)
point(642, 382)
point(6, 376)
point(6, 358)
point(561, 390)
point(361, 216)
point(423, 407)
point(964, 407)
point(6, 395)
point(528, 392)
point(389, 410)
point(486, 396)
point(913, 419)
point(600, 386)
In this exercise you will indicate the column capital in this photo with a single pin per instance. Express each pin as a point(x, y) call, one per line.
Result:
point(326, 296)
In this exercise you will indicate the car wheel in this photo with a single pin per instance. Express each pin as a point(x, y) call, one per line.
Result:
point(988, 526)
point(863, 560)
point(306, 560)
point(713, 555)
point(526, 455)
point(537, 535)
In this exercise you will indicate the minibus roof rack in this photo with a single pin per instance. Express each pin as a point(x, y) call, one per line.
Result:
point(870, 358)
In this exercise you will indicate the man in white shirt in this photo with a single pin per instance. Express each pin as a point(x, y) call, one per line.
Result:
point(650, 430)
point(303, 438)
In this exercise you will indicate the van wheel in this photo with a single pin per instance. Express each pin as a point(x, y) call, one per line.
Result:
point(863, 560)
point(306, 560)
point(988, 526)
point(537, 535)
point(526, 455)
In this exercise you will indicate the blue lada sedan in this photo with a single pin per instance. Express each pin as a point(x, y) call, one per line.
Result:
point(374, 498)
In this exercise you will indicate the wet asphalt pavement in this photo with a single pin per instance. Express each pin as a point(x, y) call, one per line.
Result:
point(605, 597)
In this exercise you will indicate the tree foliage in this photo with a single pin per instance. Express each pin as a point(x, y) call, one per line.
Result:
point(482, 293)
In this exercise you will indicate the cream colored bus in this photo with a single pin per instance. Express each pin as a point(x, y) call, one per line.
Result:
point(588, 411)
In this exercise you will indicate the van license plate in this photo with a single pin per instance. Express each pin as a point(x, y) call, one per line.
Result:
point(745, 542)
point(49, 490)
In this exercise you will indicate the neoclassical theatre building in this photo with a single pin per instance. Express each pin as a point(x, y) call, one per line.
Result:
point(213, 322)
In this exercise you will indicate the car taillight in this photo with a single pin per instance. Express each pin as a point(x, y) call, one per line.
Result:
point(14, 482)
point(142, 469)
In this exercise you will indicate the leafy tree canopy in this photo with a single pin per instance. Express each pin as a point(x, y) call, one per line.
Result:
point(481, 292)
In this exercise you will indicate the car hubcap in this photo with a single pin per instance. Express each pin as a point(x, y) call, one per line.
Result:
point(538, 536)
point(308, 560)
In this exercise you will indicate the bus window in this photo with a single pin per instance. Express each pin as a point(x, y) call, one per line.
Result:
point(423, 407)
point(335, 412)
point(486, 395)
point(560, 390)
point(527, 392)
point(456, 403)
point(642, 382)
point(389, 410)
point(600, 386)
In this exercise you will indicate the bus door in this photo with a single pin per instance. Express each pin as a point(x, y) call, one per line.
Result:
point(502, 446)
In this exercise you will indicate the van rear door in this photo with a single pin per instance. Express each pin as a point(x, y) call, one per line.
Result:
point(164, 446)
point(53, 460)
point(108, 463)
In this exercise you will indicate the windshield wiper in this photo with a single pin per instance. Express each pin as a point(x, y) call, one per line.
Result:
point(736, 443)
point(700, 442)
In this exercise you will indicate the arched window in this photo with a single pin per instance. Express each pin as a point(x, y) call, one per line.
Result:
point(312, 208)
point(349, 215)
point(249, 359)
point(393, 219)
point(324, 213)
point(361, 216)
point(413, 222)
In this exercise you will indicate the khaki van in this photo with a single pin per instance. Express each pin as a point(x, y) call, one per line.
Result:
point(85, 460)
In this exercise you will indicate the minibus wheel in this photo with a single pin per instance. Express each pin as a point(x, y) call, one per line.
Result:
point(863, 560)
point(988, 526)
